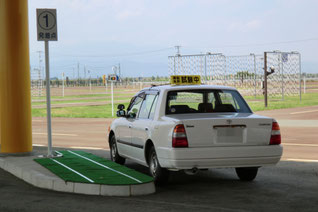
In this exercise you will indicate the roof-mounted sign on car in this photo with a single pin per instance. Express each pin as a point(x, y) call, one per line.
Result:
point(185, 80)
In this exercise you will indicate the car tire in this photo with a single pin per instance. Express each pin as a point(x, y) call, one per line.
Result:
point(160, 175)
point(114, 156)
point(246, 174)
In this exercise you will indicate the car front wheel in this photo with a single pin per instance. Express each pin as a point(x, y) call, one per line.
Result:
point(160, 175)
point(247, 174)
point(114, 156)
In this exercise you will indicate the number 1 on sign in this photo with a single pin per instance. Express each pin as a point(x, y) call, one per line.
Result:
point(46, 20)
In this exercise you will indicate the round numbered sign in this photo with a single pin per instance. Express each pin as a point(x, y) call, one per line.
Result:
point(47, 20)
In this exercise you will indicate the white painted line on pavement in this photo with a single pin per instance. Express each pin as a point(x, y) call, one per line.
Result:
point(105, 166)
point(85, 147)
point(57, 134)
point(306, 111)
point(90, 180)
point(38, 145)
point(300, 160)
point(74, 147)
point(291, 144)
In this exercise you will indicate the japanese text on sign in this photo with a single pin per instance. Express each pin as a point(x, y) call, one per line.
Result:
point(46, 24)
point(185, 79)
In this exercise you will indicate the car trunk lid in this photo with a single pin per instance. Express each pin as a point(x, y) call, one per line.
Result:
point(226, 129)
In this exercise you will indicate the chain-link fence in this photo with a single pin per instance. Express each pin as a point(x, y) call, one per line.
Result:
point(36, 82)
point(88, 87)
point(286, 78)
point(244, 72)
point(208, 66)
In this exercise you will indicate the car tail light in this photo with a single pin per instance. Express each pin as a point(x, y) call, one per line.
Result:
point(275, 137)
point(179, 136)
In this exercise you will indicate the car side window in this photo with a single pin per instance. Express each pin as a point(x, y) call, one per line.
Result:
point(131, 103)
point(135, 106)
point(153, 107)
point(228, 98)
point(146, 106)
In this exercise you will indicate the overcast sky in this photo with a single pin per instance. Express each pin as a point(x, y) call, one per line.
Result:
point(141, 34)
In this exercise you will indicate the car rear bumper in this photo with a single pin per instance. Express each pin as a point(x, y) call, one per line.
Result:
point(213, 157)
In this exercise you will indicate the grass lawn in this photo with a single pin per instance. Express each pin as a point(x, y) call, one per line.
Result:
point(107, 98)
point(104, 111)
point(85, 96)
point(308, 99)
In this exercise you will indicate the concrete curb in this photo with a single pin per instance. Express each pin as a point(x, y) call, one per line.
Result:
point(31, 172)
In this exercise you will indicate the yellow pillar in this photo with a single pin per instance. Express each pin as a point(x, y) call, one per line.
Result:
point(15, 96)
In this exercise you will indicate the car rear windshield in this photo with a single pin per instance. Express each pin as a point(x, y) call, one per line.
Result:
point(205, 101)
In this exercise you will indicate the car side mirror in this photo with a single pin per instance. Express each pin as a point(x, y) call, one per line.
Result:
point(121, 107)
point(121, 113)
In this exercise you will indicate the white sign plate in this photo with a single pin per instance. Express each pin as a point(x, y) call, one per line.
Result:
point(46, 24)
point(285, 57)
point(113, 77)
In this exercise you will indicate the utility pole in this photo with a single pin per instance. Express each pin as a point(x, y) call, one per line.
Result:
point(90, 81)
point(119, 72)
point(174, 58)
point(85, 74)
point(254, 57)
point(40, 60)
point(63, 84)
point(178, 50)
point(265, 78)
point(266, 73)
point(78, 73)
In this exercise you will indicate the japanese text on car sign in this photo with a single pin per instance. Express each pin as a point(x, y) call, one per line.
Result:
point(185, 79)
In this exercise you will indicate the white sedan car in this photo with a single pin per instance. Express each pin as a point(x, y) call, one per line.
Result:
point(191, 128)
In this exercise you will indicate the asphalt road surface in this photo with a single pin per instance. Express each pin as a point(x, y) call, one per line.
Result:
point(299, 127)
point(289, 186)
point(292, 185)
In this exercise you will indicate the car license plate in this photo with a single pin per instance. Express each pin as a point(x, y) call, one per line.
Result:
point(230, 135)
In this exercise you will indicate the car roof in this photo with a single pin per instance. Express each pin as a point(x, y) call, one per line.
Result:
point(185, 87)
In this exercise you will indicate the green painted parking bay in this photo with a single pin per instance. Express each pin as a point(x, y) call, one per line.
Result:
point(83, 167)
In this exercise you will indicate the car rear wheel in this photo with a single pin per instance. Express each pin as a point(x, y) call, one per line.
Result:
point(247, 174)
point(160, 175)
point(114, 156)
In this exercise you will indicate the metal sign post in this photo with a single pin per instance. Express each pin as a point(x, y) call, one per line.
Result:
point(265, 79)
point(48, 100)
point(47, 31)
point(112, 91)
point(90, 81)
point(106, 86)
point(112, 78)
point(63, 83)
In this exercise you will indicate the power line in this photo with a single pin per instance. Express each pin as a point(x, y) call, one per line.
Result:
point(64, 65)
point(264, 44)
point(100, 66)
point(124, 54)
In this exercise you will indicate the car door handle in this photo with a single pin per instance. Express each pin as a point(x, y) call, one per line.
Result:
point(146, 128)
